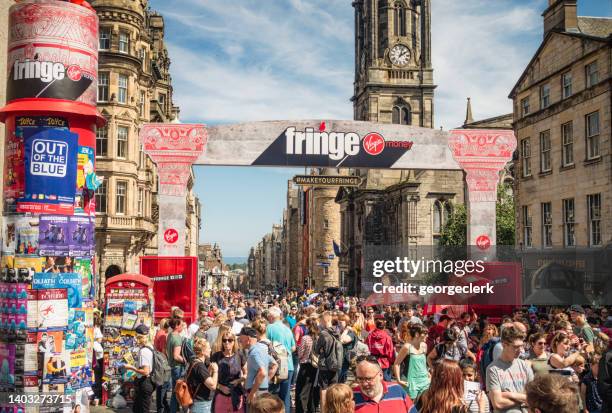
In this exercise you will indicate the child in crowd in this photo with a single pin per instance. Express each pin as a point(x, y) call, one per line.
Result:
point(475, 399)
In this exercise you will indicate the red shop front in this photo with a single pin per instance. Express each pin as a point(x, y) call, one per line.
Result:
point(176, 284)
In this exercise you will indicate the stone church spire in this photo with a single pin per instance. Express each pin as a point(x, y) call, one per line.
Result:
point(468, 113)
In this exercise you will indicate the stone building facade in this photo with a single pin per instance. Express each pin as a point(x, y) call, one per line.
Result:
point(210, 259)
point(394, 84)
point(268, 260)
point(562, 120)
point(291, 238)
point(134, 87)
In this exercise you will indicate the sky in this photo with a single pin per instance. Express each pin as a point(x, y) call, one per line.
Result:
point(255, 60)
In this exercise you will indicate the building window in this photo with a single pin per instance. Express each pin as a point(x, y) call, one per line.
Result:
point(594, 211)
point(545, 164)
point(400, 20)
point(124, 42)
point(592, 135)
point(544, 96)
point(102, 86)
point(123, 87)
point(525, 106)
point(122, 141)
point(592, 74)
point(140, 206)
point(120, 197)
point(101, 198)
point(141, 103)
point(526, 226)
point(567, 138)
point(161, 97)
point(569, 237)
point(401, 115)
point(546, 224)
point(441, 214)
point(141, 158)
point(566, 81)
point(105, 38)
point(526, 156)
point(102, 141)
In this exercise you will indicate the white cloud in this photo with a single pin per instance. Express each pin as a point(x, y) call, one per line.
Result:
point(479, 50)
point(250, 62)
point(258, 60)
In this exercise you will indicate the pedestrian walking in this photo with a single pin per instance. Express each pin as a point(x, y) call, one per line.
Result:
point(144, 387)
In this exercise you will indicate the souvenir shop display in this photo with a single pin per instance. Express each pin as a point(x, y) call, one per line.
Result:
point(47, 226)
point(129, 304)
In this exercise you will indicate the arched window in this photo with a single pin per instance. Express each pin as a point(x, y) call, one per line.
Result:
point(401, 114)
point(442, 211)
point(399, 21)
point(396, 115)
point(437, 218)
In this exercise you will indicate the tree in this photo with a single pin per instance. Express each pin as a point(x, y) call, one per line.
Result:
point(454, 232)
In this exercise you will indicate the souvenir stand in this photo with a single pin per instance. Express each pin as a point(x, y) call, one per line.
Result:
point(129, 303)
point(48, 213)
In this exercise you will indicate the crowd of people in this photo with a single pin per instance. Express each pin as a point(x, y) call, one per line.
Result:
point(328, 353)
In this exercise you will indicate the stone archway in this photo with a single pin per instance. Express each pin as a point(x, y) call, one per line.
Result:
point(111, 271)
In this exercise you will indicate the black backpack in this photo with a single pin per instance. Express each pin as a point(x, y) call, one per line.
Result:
point(187, 351)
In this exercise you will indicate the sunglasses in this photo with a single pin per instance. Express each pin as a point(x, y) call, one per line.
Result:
point(228, 340)
point(368, 358)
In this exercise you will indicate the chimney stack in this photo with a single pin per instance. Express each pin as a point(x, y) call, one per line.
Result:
point(561, 15)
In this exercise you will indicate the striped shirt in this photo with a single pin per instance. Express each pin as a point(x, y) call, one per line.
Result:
point(394, 400)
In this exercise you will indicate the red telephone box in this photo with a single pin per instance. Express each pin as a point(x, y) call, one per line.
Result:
point(176, 284)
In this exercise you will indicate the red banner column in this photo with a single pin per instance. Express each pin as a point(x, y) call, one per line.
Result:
point(482, 154)
point(173, 148)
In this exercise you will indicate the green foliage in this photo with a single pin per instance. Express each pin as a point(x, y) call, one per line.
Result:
point(454, 232)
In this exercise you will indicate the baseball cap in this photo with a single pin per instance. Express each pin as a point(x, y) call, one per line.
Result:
point(249, 332)
point(577, 309)
point(142, 330)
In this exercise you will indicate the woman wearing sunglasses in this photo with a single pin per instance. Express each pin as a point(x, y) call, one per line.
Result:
point(229, 397)
point(538, 356)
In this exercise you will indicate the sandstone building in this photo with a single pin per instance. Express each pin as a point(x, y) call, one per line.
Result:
point(394, 84)
point(562, 121)
point(134, 87)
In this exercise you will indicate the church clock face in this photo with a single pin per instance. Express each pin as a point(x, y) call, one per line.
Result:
point(399, 55)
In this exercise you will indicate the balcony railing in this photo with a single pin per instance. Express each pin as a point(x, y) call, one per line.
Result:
point(119, 222)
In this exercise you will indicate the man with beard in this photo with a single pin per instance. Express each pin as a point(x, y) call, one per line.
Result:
point(373, 393)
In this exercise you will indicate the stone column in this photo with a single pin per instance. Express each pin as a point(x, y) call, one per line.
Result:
point(173, 148)
point(482, 154)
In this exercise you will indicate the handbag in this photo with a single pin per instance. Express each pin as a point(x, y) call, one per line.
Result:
point(183, 393)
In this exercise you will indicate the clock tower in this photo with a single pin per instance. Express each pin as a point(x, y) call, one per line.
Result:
point(393, 72)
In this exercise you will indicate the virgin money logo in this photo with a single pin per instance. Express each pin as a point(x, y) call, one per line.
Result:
point(483, 242)
point(171, 236)
point(74, 73)
point(373, 143)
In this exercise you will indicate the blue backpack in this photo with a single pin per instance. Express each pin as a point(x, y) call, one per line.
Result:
point(487, 357)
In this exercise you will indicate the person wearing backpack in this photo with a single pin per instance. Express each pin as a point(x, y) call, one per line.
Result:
point(144, 387)
point(202, 378)
point(330, 354)
point(284, 344)
point(175, 359)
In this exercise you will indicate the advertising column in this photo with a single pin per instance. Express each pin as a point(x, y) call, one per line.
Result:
point(46, 285)
point(173, 148)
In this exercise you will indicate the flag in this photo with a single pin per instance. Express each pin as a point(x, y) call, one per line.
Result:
point(336, 249)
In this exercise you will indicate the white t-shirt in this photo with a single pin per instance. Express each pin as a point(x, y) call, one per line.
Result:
point(145, 358)
point(192, 329)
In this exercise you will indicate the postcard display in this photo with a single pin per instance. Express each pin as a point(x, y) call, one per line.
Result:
point(129, 303)
point(48, 223)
